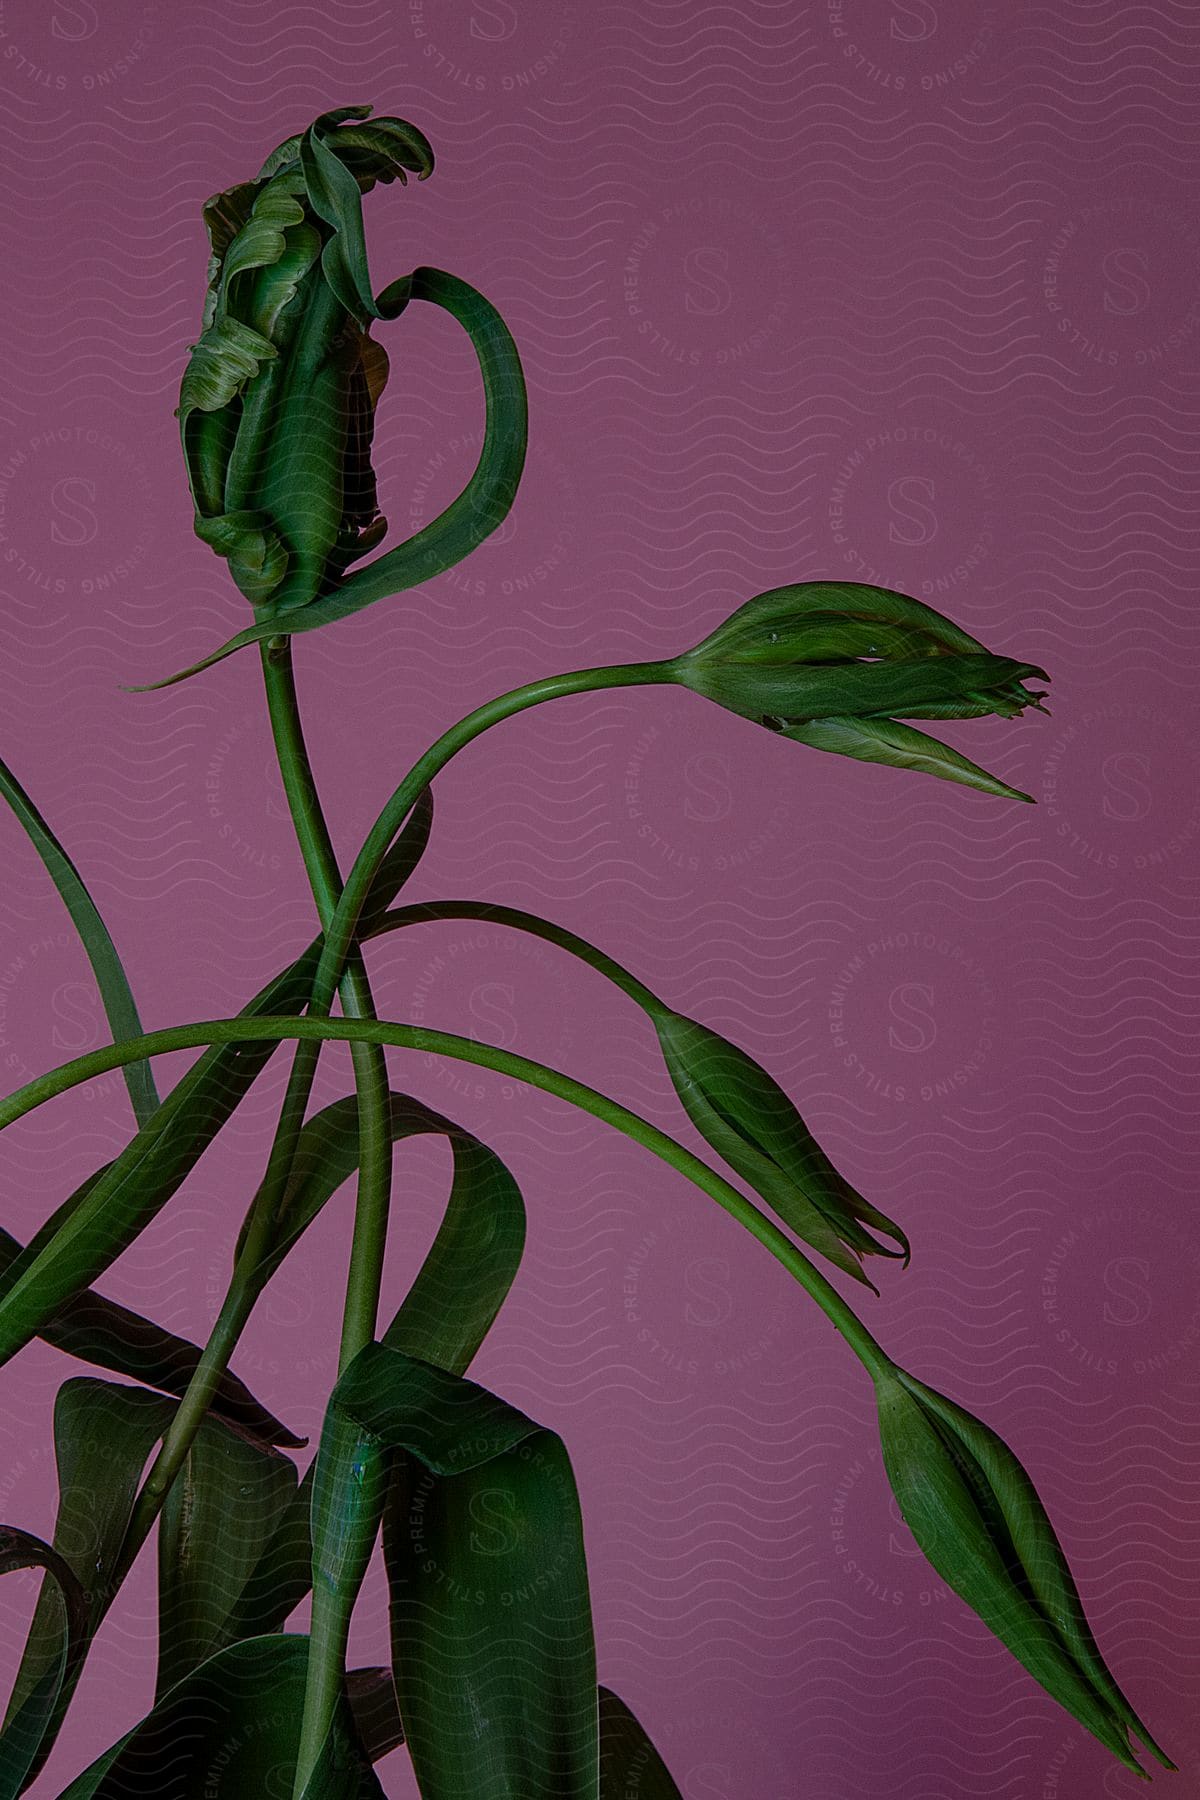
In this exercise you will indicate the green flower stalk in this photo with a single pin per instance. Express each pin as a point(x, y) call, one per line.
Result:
point(837, 664)
point(977, 1516)
point(277, 406)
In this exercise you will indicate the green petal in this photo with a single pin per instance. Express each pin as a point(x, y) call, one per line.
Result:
point(888, 741)
point(806, 603)
point(749, 1120)
point(465, 523)
point(961, 1518)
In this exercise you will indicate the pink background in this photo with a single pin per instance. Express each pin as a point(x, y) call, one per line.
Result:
point(904, 292)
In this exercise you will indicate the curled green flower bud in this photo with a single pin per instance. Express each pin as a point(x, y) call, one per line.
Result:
point(977, 1516)
point(748, 1119)
point(277, 405)
point(836, 665)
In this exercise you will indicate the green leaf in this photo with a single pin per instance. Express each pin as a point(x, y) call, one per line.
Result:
point(491, 1621)
point(227, 1503)
point(398, 864)
point(111, 981)
point(748, 1119)
point(221, 1513)
point(230, 1730)
point(978, 1518)
point(630, 1766)
point(100, 1331)
point(887, 741)
point(28, 1719)
point(97, 1225)
point(465, 1278)
point(481, 507)
point(103, 1435)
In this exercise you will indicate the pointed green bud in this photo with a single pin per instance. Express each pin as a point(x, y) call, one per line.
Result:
point(978, 1518)
point(277, 404)
point(748, 1119)
point(836, 665)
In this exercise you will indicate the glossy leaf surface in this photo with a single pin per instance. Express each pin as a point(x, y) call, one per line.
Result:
point(491, 1621)
point(222, 1511)
point(229, 1731)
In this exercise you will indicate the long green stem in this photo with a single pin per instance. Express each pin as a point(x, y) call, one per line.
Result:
point(427, 911)
point(506, 1062)
point(375, 1144)
point(340, 930)
point(332, 1604)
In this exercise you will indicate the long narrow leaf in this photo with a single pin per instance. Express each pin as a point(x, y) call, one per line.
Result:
point(28, 1719)
point(91, 1230)
point(111, 1336)
point(465, 1278)
point(102, 1437)
point(116, 996)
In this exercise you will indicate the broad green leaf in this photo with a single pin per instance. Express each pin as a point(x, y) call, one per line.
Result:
point(229, 1730)
point(444, 1318)
point(481, 507)
point(221, 1513)
point(112, 983)
point(491, 1621)
point(100, 1331)
point(28, 1719)
point(630, 1766)
point(95, 1226)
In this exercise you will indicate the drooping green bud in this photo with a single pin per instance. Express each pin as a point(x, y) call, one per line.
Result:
point(277, 405)
point(748, 1119)
point(978, 1518)
point(836, 665)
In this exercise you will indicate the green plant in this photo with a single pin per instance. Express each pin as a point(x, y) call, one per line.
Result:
point(493, 1678)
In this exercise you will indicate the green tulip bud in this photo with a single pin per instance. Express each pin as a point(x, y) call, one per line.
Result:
point(277, 405)
point(977, 1516)
point(836, 665)
point(748, 1119)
